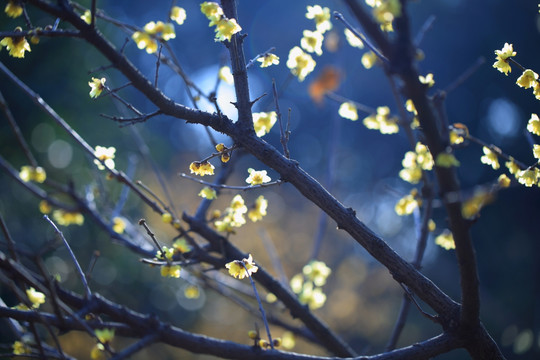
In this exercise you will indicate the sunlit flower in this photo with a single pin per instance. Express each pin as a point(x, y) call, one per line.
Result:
point(312, 296)
point(242, 268)
point(20, 348)
point(502, 58)
point(414, 162)
point(528, 177)
point(382, 121)
point(268, 59)
point(66, 218)
point(427, 80)
point(445, 240)
point(36, 298)
point(87, 17)
point(504, 181)
point(226, 28)
point(98, 352)
point(16, 45)
point(178, 14)
point(353, 40)
point(166, 217)
point(213, 12)
point(208, 193)
point(119, 225)
point(13, 9)
point(512, 167)
point(263, 122)
point(321, 16)
point(527, 79)
point(431, 225)
point(316, 271)
point(106, 155)
point(348, 110)
point(312, 42)
point(96, 86)
point(226, 75)
point(238, 204)
point(446, 160)
point(168, 32)
point(300, 63)
point(170, 271)
point(490, 158)
point(257, 177)
point(259, 210)
point(533, 126)
point(201, 168)
point(30, 173)
point(369, 59)
point(181, 245)
point(145, 41)
point(105, 335)
point(407, 204)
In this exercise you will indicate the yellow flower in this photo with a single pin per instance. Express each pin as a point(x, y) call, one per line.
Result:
point(226, 75)
point(30, 173)
point(533, 126)
point(170, 271)
point(407, 204)
point(167, 218)
point(528, 177)
point(321, 16)
point(513, 168)
point(288, 340)
point(119, 225)
point(96, 86)
point(268, 60)
point(312, 42)
point(104, 335)
point(226, 28)
point(192, 292)
point(490, 158)
point(446, 160)
point(409, 106)
point(98, 352)
point(445, 240)
point(16, 45)
point(259, 210)
point(201, 168)
point(300, 63)
point(263, 122)
point(504, 181)
point(238, 204)
point(536, 151)
point(181, 245)
point(153, 28)
point(527, 79)
point(36, 298)
point(312, 296)
point(502, 58)
point(369, 59)
point(348, 110)
point(257, 177)
point(242, 268)
point(411, 175)
point(168, 32)
point(13, 9)
point(105, 154)
point(316, 271)
point(208, 193)
point(472, 206)
point(428, 79)
point(384, 11)
point(382, 121)
point(20, 348)
point(178, 14)
point(66, 218)
point(431, 225)
point(144, 41)
point(44, 207)
point(87, 16)
point(424, 158)
point(213, 11)
point(353, 40)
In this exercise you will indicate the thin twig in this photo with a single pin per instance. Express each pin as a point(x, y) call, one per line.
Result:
point(72, 255)
point(222, 186)
point(284, 135)
point(263, 314)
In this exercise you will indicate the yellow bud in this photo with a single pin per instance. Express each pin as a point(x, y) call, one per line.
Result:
point(166, 218)
point(253, 334)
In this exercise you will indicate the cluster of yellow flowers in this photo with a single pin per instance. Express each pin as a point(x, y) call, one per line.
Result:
point(407, 204)
point(385, 11)
point(446, 240)
point(168, 270)
point(157, 31)
point(201, 168)
point(242, 268)
point(234, 213)
point(263, 122)
point(225, 28)
point(66, 218)
point(299, 61)
point(105, 154)
point(382, 121)
point(105, 336)
point(30, 173)
point(258, 211)
point(308, 284)
point(414, 162)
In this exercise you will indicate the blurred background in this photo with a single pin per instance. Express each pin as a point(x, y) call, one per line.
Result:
point(360, 167)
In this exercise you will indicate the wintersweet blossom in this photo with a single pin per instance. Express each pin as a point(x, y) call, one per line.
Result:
point(300, 63)
point(316, 271)
point(212, 11)
point(178, 14)
point(242, 268)
point(208, 193)
point(96, 86)
point(20, 348)
point(263, 122)
point(527, 79)
point(226, 75)
point(382, 121)
point(353, 40)
point(257, 177)
point(66, 218)
point(13, 9)
point(427, 80)
point(106, 155)
point(226, 28)
point(312, 41)
point(502, 57)
point(490, 158)
point(36, 298)
point(321, 16)
point(512, 167)
point(16, 45)
point(173, 271)
point(369, 59)
point(145, 41)
point(407, 204)
point(348, 110)
point(446, 160)
point(268, 60)
point(201, 168)
point(259, 210)
point(533, 126)
point(87, 17)
point(30, 173)
point(528, 177)
point(445, 240)
point(471, 207)
point(504, 181)
point(118, 225)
